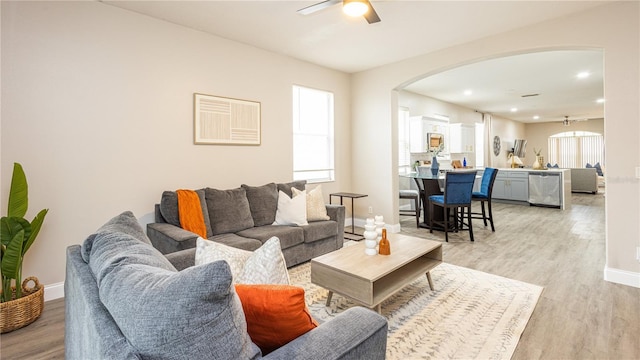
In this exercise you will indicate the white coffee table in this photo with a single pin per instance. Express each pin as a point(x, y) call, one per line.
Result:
point(369, 280)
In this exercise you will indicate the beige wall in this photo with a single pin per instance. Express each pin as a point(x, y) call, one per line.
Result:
point(614, 27)
point(538, 134)
point(98, 108)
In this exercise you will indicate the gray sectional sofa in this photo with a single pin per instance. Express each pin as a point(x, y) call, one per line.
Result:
point(125, 300)
point(584, 180)
point(243, 218)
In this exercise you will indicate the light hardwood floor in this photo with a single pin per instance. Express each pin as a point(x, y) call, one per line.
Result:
point(579, 315)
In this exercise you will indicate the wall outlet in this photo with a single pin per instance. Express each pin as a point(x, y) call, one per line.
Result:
point(637, 172)
point(638, 253)
point(370, 209)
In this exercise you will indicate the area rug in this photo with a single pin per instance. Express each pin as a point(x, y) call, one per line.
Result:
point(469, 315)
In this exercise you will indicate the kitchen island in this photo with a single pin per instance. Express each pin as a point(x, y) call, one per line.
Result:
point(548, 188)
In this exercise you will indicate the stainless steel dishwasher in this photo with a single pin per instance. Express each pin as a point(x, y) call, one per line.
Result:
point(544, 189)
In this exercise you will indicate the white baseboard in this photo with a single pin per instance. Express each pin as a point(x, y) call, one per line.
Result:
point(622, 277)
point(392, 228)
point(54, 291)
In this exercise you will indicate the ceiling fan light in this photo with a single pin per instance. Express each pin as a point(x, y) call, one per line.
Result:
point(355, 7)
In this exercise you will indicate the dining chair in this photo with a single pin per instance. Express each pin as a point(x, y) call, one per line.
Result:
point(484, 196)
point(415, 196)
point(458, 186)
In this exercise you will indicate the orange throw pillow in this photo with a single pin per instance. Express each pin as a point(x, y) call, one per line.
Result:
point(276, 314)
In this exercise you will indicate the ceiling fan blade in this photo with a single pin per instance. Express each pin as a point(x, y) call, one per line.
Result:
point(371, 15)
point(317, 7)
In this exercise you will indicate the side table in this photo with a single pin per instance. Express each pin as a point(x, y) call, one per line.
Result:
point(351, 196)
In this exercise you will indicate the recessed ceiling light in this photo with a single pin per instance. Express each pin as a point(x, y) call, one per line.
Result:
point(583, 75)
point(468, 92)
point(536, 117)
point(514, 109)
point(600, 101)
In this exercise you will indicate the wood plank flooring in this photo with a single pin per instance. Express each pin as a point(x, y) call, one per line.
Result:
point(579, 315)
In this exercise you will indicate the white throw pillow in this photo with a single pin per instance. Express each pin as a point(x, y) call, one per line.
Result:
point(316, 209)
point(291, 211)
point(266, 265)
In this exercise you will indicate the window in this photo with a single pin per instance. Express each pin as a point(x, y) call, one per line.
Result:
point(313, 156)
point(574, 149)
point(404, 144)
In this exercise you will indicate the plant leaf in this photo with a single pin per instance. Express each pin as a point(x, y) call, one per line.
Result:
point(12, 255)
point(36, 224)
point(10, 226)
point(18, 194)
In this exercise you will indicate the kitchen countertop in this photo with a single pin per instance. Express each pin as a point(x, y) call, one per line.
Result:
point(530, 169)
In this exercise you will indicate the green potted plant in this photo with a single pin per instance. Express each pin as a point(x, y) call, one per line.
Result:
point(17, 235)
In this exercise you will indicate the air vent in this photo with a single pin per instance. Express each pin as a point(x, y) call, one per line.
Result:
point(530, 95)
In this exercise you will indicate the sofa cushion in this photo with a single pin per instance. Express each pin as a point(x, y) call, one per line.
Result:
point(169, 209)
point(237, 241)
point(289, 235)
point(316, 209)
point(229, 210)
point(291, 211)
point(263, 202)
point(276, 314)
point(286, 187)
point(319, 230)
point(184, 317)
point(266, 265)
point(125, 223)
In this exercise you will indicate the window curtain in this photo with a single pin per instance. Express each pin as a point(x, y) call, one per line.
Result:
point(488, 140)
point(576, 151)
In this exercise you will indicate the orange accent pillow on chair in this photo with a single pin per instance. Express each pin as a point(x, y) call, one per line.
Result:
point(276, 314)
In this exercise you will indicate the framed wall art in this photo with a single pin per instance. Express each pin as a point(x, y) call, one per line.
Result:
point(225, 121)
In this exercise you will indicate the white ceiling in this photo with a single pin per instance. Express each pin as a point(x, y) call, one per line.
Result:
point(408, 28)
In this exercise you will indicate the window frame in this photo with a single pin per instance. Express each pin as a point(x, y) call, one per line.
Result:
point(328, 135)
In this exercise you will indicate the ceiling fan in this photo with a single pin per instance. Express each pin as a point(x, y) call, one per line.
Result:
point(350, 7)
point(567, 122)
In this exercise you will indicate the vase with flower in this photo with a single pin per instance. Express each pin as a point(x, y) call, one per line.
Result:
point(434, 152)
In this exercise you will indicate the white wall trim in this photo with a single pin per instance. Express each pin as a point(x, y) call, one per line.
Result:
point(54, 291)
point(393, 228)
point(622, 277)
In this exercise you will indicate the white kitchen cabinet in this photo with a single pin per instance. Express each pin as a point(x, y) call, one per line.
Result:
point(420, 127)
point(511, 185)
point(462, 138)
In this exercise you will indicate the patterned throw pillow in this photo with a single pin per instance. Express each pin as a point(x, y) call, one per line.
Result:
point(266, 265)
point(316, 209)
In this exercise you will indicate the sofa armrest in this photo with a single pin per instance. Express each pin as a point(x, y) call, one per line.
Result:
point(182, 259)
point(169, 238)
point(357, 333)
point(337, 214)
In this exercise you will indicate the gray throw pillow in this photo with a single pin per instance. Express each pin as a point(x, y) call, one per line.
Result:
point(125, 223)
point(286, 187)
point(263, 202)
point(169, 209)
point(167, 314)
point(229, 210)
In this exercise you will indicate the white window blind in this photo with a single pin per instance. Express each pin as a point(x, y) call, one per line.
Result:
point(574, 149)
point(313, 140)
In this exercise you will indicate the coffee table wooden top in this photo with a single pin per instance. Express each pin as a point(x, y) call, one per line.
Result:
point(370, 279)
point(353, 260)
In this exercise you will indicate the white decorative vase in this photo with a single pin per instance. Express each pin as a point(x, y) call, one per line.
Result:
point(379, 227)
point(370, 236)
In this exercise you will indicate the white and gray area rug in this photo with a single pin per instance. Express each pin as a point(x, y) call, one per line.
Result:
point(469, 315)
